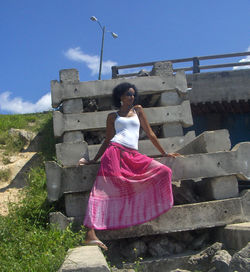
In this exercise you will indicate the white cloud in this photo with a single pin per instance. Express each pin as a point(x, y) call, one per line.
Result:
point(243, 60)
point(17, 105)
point(92, 62)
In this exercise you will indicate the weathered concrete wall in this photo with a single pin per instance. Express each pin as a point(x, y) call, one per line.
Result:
point(219, 86)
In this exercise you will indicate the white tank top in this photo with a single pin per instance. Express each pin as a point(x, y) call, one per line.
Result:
point(127, 131)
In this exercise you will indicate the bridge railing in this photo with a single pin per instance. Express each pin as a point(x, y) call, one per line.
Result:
point(195, 68)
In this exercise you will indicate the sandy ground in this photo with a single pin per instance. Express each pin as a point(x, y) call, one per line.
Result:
point(9, 190)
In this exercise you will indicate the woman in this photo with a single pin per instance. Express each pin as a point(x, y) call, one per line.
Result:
point(130, 188)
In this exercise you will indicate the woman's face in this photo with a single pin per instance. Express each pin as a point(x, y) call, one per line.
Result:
point(128, 97)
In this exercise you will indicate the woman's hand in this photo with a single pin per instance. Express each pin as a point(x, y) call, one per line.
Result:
point(83, 161)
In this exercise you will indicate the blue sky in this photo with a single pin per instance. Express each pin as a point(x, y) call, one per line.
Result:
point(39, 38)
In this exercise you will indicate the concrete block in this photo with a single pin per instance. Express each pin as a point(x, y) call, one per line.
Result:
point(73, 136)
point(162, 68)
point(76, 204)
point(53, 180)
point(220, 187)
point(197, 166)
point(59, 220)
point(97, 120)
point(172, 130)
point(188, 217)
point(85, 258)
point(70, 153)
point(234, 236)
point(170, 99)
point(69, 75)
point(72, 106)
point(210, 165)
point(61, 91)
point(219, 86)
point(146, 147)
point(208, 142)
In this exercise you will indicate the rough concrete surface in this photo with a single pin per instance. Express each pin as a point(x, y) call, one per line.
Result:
point(85, 259)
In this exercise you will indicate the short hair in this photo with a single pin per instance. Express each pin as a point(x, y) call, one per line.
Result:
point(119, 90)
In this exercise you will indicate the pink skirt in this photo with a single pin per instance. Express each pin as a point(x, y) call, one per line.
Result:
point(130, 189)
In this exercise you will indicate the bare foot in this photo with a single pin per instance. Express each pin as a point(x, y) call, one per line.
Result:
point(96, 243)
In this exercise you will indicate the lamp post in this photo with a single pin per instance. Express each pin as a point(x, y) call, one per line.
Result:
point(103, 28)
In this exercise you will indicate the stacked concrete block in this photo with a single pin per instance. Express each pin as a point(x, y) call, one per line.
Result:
point(172, 98)
point(207, 158)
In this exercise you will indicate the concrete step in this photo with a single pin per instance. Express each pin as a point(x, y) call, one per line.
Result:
point(97, 120)
point(85, 258)
point(234, 236)
point(210, 165)
point(69, 86)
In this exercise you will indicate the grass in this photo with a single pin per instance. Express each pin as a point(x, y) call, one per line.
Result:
point(4, 174)
point(27, 241)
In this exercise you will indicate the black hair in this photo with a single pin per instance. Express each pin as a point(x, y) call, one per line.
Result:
point(119, 90)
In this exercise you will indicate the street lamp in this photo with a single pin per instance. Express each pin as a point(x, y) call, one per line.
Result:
point(103, 28)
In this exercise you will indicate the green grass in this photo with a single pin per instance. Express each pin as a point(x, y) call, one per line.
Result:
point(4, 174)
point(27, 241)
point(36, 122)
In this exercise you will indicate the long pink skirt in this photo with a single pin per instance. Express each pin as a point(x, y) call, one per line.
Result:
point(130, 189)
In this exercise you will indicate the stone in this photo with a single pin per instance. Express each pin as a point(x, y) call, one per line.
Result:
point(72, 106)
point(234, 236)
point(162, 68)
point(172, 130)
point(25, 135)
point(85, 258)
point(208, 142)
point(76, 204)
point(97, 120)
point(70, 153)
point(69, 75)
point(241, 260)
point(220, 187)
point(73, 137)
point(202, 260)
point(61, 91)
point(221, 260)
point(200, 241)
point(59, 220)
point(170, 98)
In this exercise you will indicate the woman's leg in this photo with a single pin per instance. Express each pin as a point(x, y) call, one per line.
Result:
point(92, 239)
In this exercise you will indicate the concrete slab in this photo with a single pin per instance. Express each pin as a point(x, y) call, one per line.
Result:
point(188, 217)
point(219, 188)
point(171, 144)
point(72, 106)
point(146, 85)
point(85, 258)
point(97, 120)
point(234, 236)
point(208, 142)
point(70, 153)
point(197, 166)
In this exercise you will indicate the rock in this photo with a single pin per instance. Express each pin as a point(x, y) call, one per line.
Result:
point(27, 136)
point(221, 260)
point(164, 247)
point(203, 259)
point(241, 260)
point(180, 270)
point(133, 250)
point(200, 241)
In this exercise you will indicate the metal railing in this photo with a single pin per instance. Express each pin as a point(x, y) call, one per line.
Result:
point(195, 67)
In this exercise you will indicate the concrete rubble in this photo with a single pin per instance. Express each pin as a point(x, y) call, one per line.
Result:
point(208, 161)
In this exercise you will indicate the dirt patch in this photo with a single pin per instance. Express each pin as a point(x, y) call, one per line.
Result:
point(10, 188)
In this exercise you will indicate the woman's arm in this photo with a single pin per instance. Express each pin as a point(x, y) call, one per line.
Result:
point(150, 133)
point(110, 132)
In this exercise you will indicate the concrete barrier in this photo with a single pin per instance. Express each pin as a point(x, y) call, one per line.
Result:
point(71, 89)
point(97, 120)
point(85, 258)
point(197, 166)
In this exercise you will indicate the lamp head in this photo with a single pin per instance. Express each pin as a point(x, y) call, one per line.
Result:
point(114, 35)
point(93, 18)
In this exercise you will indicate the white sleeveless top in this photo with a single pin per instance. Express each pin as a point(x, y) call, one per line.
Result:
point(127, 131)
